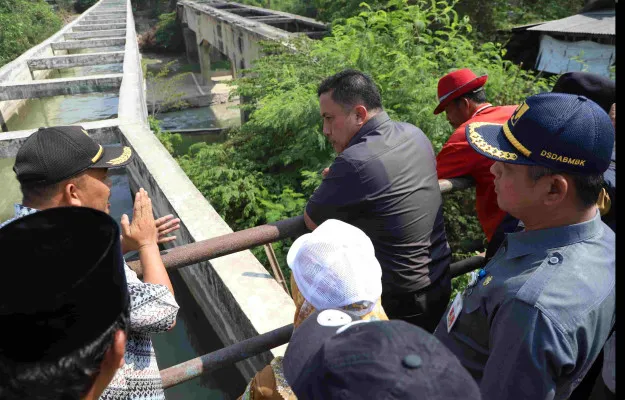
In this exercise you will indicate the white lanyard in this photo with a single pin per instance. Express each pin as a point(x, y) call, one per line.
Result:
point(480, 109)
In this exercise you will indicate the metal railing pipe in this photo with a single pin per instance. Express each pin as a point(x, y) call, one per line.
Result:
point(193, 253)
point(188, 370)
point(228, 355)
point(204, 250)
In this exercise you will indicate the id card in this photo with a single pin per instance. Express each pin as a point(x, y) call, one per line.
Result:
point(454, 311)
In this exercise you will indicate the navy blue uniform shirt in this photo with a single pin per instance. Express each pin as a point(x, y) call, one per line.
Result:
point(532, 327)
point(385, 183)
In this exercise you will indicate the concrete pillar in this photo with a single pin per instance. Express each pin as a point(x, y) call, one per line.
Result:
point(190, 44)
point(205, 61)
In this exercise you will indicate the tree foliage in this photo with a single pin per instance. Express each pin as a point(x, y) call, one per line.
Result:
point(24, 24)
point(268, 169)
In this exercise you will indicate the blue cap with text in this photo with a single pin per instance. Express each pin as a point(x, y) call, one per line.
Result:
point(563, 132)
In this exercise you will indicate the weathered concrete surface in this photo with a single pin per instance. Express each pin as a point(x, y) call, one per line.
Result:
point(58, 87)
point(234, 36)
point(108, 13)
point(76, 60)
point(236, 293)
point(99, 27)
point(104, 132)
point(227, 28)
point(95, 34)
point(18, 70)
point(103, 20)
point(88, 44)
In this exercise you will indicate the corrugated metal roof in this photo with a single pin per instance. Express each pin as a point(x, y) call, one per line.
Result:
point(596, 23)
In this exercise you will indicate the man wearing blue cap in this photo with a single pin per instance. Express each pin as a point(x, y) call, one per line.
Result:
point(531, 323)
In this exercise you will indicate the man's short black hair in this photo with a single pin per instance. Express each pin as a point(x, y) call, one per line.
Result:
point(70, 377)
point(36, 193)
point(587, 187)
point(478, 96)
point(351, 87)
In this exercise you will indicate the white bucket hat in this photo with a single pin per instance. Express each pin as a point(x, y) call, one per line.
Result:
point(335, 266)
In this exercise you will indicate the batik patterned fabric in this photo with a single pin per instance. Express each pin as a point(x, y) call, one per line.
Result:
point(152, 309)
point(20, 211)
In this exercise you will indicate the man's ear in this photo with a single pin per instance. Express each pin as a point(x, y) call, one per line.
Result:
point(557, 190)
point(112, 361)
point(361, 114)
point(70, 194)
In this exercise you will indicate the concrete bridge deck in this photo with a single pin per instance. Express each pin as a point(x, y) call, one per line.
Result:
point(235, 292)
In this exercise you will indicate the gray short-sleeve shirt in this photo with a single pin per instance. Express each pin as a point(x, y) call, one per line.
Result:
point(534, 324)
point(385, 183)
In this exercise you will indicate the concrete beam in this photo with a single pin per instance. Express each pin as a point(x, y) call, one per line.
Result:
point(75, 60)
point(103, 131)
point(98, 27)
point(103, 20)
point(255, 17)
point(112, 14)
point(95, 34)
point(111, 9)
point(88, 44)
point(59, 87)
point(275, 20)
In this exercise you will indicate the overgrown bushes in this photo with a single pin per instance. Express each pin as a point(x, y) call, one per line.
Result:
point(166, 35)
point(268, 169)
point(23, 24)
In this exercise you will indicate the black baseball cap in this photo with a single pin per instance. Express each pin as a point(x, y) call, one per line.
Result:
point(564, 132)
point(51, 155)
point(597, 88)
point(64, 283)
point(334, 354)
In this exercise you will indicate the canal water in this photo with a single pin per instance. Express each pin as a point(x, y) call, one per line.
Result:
point(192, 336)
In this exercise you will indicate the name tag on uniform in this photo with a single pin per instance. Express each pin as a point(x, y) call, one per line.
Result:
point(454, 311)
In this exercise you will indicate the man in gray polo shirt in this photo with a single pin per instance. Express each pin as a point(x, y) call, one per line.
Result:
point(384, 182)
point(532, 322)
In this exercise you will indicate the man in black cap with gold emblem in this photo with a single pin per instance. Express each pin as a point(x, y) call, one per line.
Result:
point(532, 322)
point(62, 166)
point(64, 319)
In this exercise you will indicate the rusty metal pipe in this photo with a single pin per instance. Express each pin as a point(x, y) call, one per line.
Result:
point(204, 250)
point(227, 356)
point(250, 347)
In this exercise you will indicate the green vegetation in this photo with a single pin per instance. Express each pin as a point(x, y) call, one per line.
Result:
point(163, 90)
point(267, 170)
point(24, 24)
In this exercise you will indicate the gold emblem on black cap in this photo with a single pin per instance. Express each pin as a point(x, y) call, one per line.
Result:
point(122, 158)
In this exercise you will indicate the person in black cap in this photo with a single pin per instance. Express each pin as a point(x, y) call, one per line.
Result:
point(534, 319)
point(335, 355)
point(602, 91)
point(64, 320)
point(63, 166)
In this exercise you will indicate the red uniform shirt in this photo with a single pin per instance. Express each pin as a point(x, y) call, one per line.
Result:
point(457, 158)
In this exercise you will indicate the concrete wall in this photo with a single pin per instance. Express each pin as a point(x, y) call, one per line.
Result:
point(18, 71)
point(235, 292)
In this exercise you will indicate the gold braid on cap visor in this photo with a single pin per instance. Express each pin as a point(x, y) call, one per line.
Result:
point(480, 143)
